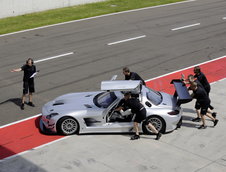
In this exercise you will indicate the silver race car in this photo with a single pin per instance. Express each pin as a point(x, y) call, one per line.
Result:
point(93, 112)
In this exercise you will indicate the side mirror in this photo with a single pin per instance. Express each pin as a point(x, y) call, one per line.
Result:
point(148, 104)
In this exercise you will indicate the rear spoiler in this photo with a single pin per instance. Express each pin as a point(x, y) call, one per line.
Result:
point(181, 92)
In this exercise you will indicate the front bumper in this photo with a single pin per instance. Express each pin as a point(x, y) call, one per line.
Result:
point(46, 128)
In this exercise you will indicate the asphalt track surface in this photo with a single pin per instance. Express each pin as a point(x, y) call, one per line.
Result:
point(167, 46)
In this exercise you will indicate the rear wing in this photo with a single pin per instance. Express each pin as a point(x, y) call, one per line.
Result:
point(181, 92)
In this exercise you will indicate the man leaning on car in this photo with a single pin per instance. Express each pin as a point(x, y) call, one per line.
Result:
point(139, 110)
point(132, 75)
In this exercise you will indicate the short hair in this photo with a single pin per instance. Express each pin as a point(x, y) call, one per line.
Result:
point(193, 85)
point(30, 59)
point(127, 94)
point(191, 76)
point(126, 69)
point(197, 69)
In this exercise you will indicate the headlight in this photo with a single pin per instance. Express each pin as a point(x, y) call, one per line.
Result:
point(51, 115)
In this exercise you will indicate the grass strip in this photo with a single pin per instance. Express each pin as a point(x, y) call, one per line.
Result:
point(33, 20)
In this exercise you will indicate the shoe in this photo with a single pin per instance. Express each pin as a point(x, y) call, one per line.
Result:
point(31, 104)
point(22, 106)
point(215, 122)
point(202, 127)
point(158, 136)
point(211, 107)
point(214, 114)
point(135, 137)
point(196, 120)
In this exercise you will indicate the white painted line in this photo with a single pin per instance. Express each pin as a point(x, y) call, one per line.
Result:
point(126, 40)
point(183, 27)
point(53, 57)
point(224, 18)
point(70, 136)
point(186, 68)
point(217, 81)
point(63, 138)
point(38, 147)
point(145, 81)
point(90, 18)
point(25, 119)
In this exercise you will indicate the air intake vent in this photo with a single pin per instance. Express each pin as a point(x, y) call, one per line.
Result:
point(88, 106)
point(58, 102)
point(89, 95)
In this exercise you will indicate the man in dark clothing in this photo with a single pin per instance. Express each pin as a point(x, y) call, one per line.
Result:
point(204, 102)
point(132, 75)
point(28, 81)
point(203, 80)
point(192, 79)
point(139, 110)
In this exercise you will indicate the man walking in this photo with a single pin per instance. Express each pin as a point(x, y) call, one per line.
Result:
point(28, 81)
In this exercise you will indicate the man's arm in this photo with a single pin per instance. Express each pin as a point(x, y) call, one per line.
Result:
point(16, 70)
point(119, 108)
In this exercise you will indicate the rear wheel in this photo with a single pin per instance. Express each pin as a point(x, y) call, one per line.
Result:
point(157, 122)
point(67, 126)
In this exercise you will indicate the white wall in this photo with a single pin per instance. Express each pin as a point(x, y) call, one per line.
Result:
point(18, 7)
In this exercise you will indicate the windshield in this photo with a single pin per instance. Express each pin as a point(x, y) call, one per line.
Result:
point(104, 99)
point(154, 96)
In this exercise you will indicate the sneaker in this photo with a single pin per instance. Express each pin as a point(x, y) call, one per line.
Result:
point(215, 122)
point(214, 114)
point(196, 119)
point(158, 136)
point(202, 127)
point(31, 104)
point(135, 137)
point(22, 106)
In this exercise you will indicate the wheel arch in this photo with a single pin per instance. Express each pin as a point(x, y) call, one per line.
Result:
point(163, 130)
point(63, 117)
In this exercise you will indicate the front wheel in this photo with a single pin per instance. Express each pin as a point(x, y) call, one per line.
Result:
point(67, 126)
point(157, 122)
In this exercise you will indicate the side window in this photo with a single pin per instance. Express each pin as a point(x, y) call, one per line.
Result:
point(154, 96)
point(104, 99)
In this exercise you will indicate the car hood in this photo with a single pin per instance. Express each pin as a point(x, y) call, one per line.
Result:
point(71, 102)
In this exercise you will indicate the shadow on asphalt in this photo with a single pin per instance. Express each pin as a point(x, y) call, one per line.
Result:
point(189, 110)
point(16, 101)
point(187, 118)
point(189, 125)
point(17, 163)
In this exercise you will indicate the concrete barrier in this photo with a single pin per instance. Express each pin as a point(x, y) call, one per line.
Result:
point(10, 8)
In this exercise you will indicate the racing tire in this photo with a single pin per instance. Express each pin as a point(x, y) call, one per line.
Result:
point(67, 126)
point(157, 121)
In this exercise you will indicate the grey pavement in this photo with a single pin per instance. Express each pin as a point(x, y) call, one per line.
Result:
point(160, 52)
point(187, 149)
